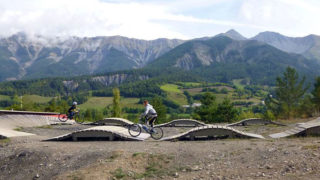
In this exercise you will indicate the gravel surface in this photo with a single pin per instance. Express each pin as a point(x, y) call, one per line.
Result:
point(31, 158)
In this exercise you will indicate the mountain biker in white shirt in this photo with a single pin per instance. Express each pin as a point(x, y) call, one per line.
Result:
point(149, 114)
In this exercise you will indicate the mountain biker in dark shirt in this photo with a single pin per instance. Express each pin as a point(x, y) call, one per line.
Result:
point(72, 110)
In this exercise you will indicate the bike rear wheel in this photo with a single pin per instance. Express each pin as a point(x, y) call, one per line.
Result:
point(157, 133)
point(134, 130)
point(63, 117)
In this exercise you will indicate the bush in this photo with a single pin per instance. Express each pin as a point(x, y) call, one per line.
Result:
point(248, 114)
point(268, 115)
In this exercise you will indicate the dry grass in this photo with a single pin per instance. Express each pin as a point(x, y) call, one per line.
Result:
point(122, 165)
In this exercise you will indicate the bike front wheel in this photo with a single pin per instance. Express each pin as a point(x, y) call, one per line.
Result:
point(157, 133)
point(134, 130)
point(79, 119)
point(63, 117)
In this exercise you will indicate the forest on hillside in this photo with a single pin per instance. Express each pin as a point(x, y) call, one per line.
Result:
point(174, 96)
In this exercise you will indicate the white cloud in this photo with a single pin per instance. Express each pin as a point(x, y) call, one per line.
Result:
point(84, 18)
point(97, 18)
point(290, 17)
point(150, 19)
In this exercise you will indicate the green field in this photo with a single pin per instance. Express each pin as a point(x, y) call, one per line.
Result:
point(96, 103)
point(237, 83)
point(175, 94)
point(171, 88)
point(4, 97)
point(191, 84)
point(35, 99)
point(103, 102)
point(29, 99)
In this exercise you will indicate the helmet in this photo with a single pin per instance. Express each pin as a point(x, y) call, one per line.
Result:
point(74, 103)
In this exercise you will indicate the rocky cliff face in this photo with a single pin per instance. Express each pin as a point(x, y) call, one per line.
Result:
point(34, 57)
point(105, 80)
point(115, 78)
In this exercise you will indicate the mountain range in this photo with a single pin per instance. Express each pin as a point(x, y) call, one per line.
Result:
point(24, 57)
point(223, 59)
point(224, 56)
point(308, 46)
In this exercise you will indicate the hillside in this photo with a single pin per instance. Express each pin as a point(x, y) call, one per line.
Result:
point(223, 59)
point(308, 46)
point(133, 83)
point(22, 56)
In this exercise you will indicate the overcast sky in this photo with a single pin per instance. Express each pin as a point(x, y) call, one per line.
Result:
point(151, 19)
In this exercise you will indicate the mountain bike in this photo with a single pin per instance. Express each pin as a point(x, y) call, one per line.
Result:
point(136, 129)
point(76, 117)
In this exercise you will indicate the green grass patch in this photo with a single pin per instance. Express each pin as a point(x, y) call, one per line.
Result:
point(130, 102)
point(237, 83)
point(35, 99)
point(103, 102)
point(96, 103)
point(311, 147)
point(4, 141)
point(138, 154)
point(4, 97)
point(179, 98)
point(189, 84)
point(75, 177)
point(118, 173)
point(114, 155)
point(45, 127)
point(18, 129)
point(171, 88)
point(174, 93)
point(157, 165)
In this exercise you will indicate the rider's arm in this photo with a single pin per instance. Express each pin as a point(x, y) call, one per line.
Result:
point(70, 109)
point(146, 111)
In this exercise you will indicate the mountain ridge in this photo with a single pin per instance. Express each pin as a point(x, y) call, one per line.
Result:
point(29, 57)
point(308, 46)
point(236, 59)
point(59, 56)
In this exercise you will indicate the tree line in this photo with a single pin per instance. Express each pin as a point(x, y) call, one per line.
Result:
point(292, 97)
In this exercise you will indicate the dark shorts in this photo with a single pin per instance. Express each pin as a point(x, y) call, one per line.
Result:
point(151, 119)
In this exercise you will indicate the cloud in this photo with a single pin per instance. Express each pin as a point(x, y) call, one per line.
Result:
point(150, 19)
point(147, 20)
point(84, 18)
point(291, 17)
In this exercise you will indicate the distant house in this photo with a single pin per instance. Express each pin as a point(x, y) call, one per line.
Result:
point(193, 105)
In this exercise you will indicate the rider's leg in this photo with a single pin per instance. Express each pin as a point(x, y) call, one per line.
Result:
point(71, 114)
point(152, 122)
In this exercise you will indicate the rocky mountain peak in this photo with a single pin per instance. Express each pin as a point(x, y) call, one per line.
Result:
point(233, 34)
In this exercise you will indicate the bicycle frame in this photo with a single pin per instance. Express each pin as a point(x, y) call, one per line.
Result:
point(145, 126)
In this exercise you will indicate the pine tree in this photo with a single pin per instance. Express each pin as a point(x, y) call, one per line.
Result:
point(116, 103)
point(207, 109)
point(289, 92)
point(225, 112)
point(316, 95)
point(157, 104)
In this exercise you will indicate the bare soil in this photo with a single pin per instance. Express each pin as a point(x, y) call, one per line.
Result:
point(32, 158)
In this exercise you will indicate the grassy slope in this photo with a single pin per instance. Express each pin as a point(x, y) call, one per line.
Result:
point(237, 83)
point(4, 97)
point(102, 102)
point(174, 93)
point(35, 99)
